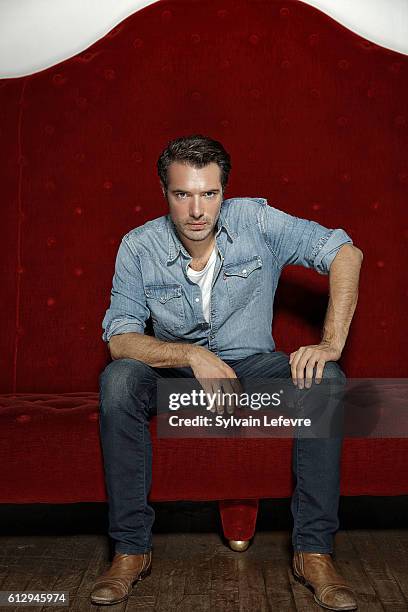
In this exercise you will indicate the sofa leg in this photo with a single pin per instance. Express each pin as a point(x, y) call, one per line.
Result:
point(238, 519)
point(238, 545)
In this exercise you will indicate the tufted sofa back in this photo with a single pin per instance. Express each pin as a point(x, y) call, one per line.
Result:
point(314, 116)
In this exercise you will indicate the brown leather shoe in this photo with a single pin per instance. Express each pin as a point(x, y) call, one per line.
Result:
point(115, 584)
point(316, 571)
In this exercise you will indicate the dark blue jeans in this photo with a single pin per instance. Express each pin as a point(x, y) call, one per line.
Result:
point(127, 402)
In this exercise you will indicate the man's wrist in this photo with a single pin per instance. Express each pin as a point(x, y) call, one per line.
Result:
point(334, 343)
point(192, 353)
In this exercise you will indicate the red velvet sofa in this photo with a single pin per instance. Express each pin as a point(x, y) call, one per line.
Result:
point(316, 120)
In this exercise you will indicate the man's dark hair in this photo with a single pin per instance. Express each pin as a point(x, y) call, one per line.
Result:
point(197, 151)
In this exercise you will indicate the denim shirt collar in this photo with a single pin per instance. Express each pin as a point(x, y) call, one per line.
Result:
point(175, 246)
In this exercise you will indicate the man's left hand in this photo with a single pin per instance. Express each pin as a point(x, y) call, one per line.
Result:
point(304, 360)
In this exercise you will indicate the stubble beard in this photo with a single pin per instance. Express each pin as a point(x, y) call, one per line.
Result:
point(197, 235)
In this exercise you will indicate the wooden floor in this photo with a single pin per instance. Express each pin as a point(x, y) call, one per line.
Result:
point(195, 570)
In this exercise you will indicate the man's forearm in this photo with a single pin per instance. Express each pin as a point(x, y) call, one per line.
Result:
point(150, 350)
point(344, 278)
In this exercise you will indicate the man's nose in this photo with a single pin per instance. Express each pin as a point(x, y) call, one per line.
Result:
point(196, 208)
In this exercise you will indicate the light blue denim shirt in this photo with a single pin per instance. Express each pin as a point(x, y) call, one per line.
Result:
point(255, 241)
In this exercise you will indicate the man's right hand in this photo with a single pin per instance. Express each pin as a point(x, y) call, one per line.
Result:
point(209, 369)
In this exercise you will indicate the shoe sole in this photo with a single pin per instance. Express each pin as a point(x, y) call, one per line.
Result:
point(102, 602)
point(307, 584)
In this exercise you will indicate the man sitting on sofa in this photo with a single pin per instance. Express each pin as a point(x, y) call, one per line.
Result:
point(205, 276)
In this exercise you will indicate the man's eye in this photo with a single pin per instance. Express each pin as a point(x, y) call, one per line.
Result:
point(181, 196)
point(210, 194)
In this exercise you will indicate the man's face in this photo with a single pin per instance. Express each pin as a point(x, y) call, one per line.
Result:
point(194, 196)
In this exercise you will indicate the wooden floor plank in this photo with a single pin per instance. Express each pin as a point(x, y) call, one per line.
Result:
point(171, 585)
point(224, 573)
point(226, 601)
point(224, 593)
point(96, 563)
point(379, 574)
point(251, 585)
point(278, 586)
point(353, 571)
point(29, 573)
point(394, 551)
point(198, 577)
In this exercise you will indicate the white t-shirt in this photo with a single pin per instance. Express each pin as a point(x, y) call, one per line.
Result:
point(203, 278)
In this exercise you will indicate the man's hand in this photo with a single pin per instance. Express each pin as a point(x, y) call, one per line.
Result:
point(208, 369)
point(344, 276)
point(306, 357)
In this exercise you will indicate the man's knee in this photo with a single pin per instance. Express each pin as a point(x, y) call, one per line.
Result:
point(272, 365)
point(121, 377)
point(332, 370)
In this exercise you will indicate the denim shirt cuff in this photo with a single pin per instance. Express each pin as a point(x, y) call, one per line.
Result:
point(327, 248)
point(120, 326)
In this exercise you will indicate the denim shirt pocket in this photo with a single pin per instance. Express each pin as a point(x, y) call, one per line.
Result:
point(243, 280)
point(165, 303)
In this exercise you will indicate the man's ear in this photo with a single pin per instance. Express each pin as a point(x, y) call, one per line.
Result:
point(163, 188)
